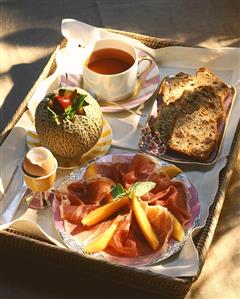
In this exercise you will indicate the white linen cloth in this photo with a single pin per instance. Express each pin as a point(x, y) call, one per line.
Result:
point(225, 62)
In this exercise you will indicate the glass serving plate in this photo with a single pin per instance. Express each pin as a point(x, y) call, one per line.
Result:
point(77, 245)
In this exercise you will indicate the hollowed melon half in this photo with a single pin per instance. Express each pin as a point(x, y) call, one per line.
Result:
point(70, 138)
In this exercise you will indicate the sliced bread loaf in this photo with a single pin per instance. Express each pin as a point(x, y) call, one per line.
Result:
point(192, 108)
point(194, 134)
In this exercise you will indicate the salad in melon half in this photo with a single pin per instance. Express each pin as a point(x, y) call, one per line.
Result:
point(69, 122)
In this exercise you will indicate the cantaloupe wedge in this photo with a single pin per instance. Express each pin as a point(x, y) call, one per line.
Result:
point(103, 240)
point(178, 231)
point(171, 171)
point(104, 212)
point(91, 171)
point(144, 223)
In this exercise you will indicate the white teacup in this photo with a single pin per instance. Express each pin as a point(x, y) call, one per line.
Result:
point(111, 69)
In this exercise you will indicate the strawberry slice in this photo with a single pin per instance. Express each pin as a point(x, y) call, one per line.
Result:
point(62, 101)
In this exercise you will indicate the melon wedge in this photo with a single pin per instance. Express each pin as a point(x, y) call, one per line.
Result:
point(104, 212)
point(91, 171)
point(171, 170)
point(178, 231)
point(144, 224)
point(103, 240)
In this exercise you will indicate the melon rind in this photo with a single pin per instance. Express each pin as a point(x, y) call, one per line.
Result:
point(69, 139)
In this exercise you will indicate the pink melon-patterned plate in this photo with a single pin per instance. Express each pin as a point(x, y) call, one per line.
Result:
point(75, 241)
point(146, 85)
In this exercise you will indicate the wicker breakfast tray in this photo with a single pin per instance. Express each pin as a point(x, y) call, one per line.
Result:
point(12, 241)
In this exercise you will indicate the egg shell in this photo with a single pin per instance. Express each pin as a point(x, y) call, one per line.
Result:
point(38, 162)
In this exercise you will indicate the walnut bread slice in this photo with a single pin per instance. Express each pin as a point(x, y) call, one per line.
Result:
point(174, 87)
point(207, 78)
point(194, 134)
point(202, 96)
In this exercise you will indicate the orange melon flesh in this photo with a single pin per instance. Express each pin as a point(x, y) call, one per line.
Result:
point(103, 240)
point(144, 223)
point(171, 170)
point(104, 212)
point(178, 231)
point(91, 171)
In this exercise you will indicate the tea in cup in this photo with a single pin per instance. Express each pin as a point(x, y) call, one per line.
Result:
point(111, 69)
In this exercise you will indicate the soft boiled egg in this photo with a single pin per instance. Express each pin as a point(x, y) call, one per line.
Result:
point(39, 161)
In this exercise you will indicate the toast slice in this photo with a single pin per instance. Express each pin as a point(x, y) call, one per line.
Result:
point(189, 102)
point(202, 96)
point(207, 78)
point(194, 134)
point(174, 87)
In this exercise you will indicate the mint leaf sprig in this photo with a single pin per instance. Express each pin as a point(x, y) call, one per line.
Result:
point(78, 102)
point(138, 189)
point(141, 188)
point(118, 191)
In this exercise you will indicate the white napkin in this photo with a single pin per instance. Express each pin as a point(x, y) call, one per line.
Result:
point(225, 62)
point(79, 33)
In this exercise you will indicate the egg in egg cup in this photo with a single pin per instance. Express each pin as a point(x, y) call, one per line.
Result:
point(39, 172)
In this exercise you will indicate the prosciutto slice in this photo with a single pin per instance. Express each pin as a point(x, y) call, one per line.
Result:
point(115, 171)
point(96, 190)
point(161, 179)
point(75, 214)
point(128, 171)
point(143, 167)
point(177, 203)
point(122, 244)
point(128, 240)
point(86, 234)
point(162, 223)
point(140, 169)
point(174, 198)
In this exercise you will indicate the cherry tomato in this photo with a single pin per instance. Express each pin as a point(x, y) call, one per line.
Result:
point(64, 102)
